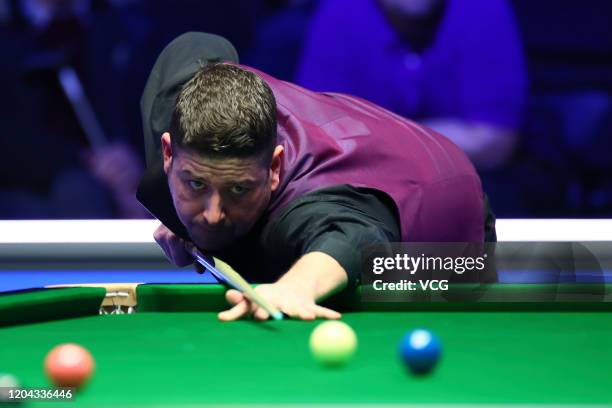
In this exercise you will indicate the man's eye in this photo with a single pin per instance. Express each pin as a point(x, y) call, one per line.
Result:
point(196, 185)
point(239, 190)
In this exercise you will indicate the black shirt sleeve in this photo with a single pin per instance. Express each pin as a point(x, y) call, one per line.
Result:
point(338, 221)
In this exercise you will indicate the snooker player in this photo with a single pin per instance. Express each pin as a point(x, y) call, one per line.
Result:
point(285, 184)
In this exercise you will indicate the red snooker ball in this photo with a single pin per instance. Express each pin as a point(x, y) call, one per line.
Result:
point(69, 365)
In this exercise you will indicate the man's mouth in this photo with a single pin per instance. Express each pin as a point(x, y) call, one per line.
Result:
point(210, 241)
point(212, 230)
point(208, 233)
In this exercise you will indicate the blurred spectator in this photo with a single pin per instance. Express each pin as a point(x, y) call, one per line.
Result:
point(279, 38)
point(567, 134)
point(49, 169)
point(456, 65)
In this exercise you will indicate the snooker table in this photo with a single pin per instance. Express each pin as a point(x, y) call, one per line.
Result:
point(505, 349)
point(506, 343)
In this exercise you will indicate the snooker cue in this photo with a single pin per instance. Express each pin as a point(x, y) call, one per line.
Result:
point(237, 282)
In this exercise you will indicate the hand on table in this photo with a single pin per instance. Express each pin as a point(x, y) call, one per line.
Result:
point(292, 301)
point(314, 276)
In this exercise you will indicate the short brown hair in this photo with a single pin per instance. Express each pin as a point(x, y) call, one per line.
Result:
point(225, 111)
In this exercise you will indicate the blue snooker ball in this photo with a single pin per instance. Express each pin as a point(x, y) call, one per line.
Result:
point(420, 350)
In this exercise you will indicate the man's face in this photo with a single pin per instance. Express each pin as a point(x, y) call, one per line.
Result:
point(218, 200)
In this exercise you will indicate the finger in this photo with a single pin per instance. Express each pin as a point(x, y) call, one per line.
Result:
point(307, 314)
point(236, 312)
point(261, 314)
point(168, 243)
point(159, 233)
point(292, 312)
point(234, 297)
point(299, 311)
point(325, 313)
point(180, 257)
point(165, 251)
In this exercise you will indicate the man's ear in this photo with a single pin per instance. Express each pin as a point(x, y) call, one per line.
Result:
point(275, 167)
point(166, 147)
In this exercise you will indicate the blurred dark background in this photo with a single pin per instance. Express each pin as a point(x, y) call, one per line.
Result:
point(523, 86)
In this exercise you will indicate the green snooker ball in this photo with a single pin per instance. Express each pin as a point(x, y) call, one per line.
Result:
point(333, 343)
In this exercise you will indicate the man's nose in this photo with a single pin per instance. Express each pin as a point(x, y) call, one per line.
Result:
point(213, 211)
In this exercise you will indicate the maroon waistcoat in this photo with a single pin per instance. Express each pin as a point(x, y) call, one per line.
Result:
point(331, 139)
